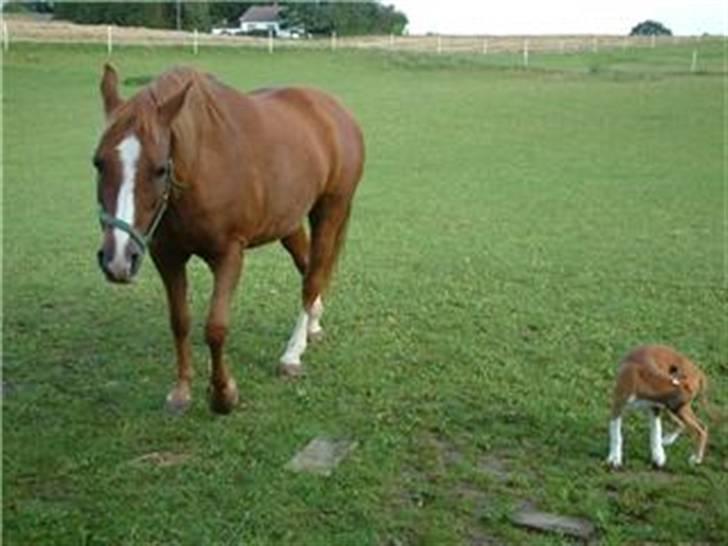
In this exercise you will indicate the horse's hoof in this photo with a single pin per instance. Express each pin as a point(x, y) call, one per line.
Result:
point(178, 402)
point(223, 401)
point(291, 371)
point(317, 336)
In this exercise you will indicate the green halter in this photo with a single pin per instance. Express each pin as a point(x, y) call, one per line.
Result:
point(142, 239)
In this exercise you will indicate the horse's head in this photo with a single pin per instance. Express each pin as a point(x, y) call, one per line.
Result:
point(133, 165)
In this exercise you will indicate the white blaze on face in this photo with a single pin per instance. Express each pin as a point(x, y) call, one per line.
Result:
point(129, 150)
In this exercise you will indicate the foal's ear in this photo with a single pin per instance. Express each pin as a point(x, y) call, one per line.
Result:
point(169, 109)
point(110, 89)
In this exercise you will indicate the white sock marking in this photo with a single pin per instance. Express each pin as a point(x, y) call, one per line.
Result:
point(658, 452)
point(297, 343)
point(314, 317)
point(671, 438)
point(615, 442)
point(129, 150)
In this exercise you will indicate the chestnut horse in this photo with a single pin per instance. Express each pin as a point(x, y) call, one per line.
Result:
point(189, 166)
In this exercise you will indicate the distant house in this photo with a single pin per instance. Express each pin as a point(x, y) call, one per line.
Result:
point(261, 19)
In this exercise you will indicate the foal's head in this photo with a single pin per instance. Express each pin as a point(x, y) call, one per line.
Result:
point(132, 161)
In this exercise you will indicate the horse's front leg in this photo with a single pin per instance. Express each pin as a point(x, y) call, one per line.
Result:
point(223, 393)
point(174, 276)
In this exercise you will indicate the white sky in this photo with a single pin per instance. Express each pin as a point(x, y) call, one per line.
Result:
point(562, 16)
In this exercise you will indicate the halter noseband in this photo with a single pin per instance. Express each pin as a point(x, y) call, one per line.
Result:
point(143, 239)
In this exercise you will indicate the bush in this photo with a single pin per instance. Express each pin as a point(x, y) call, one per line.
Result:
point(650, 28)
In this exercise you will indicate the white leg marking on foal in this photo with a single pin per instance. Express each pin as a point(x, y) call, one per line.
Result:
point(129, 150)
point(297, 343)
point(314, 317)
point(658, 452)
point(615, 442)
point(671, 438)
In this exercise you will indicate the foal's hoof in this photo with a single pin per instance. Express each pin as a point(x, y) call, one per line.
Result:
point(178, 401)
point(224, 400)
point(291, 371)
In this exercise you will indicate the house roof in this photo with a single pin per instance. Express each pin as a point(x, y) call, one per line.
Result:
point(259, 14)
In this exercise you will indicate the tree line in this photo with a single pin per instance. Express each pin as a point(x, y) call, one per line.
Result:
point(321, 17)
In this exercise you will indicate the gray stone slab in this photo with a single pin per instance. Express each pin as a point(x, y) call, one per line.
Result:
point(553, 523)
point(321, 456)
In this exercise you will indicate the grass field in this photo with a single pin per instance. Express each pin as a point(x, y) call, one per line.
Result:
point(516, 232)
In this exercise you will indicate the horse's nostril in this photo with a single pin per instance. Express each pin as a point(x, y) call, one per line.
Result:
point(100, 259)
point(135, 259)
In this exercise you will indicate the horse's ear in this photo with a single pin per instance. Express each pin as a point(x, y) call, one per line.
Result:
point(169, 109)
point(110, 89)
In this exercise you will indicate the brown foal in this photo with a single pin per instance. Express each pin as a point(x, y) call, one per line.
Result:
point(191, 166)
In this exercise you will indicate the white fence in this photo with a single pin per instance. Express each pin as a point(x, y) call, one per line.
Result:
point(28, 30)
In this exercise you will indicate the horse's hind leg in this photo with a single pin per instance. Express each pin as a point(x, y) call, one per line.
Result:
point(328, 226)
point(299, 247)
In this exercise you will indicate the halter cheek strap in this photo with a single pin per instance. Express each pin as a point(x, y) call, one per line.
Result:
point(142, 239)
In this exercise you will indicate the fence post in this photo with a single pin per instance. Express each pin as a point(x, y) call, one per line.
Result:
point(333, 40)
point(694, 65)
point(195, 44)
point(652, 41)
point(391, 40)
point(109, 40)
point(485, 46)
point(6, 37)
point(439, 44)
point(270, 40)
point(525, 53)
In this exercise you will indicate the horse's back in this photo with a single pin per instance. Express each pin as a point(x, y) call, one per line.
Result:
point(323, 115)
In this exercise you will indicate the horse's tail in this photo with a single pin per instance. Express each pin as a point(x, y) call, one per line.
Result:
point(339, 243)
point(329, 221)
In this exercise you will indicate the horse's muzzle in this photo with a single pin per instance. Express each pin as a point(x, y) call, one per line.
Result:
point(120, 269)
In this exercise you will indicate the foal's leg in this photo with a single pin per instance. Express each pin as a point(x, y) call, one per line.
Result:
point(685, 413)
point(328, 223)
point(671, 438)
point(223, 392)
point(656, 449)
point(614, 459)
point(174, 277)
point(299, 247)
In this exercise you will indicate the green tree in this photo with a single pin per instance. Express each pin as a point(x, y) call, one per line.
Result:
point(650, 28)
point(228, 12)
point(346, 18)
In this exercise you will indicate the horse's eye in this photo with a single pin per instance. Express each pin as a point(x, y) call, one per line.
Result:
point(160, 171)
point(98, 163)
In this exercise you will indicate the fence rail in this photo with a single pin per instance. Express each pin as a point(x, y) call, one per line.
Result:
point(28, 30)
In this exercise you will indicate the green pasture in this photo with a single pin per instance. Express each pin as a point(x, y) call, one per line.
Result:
point(516, 232)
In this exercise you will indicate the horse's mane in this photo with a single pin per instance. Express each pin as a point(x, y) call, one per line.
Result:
point(204, 104)
point(200, 104)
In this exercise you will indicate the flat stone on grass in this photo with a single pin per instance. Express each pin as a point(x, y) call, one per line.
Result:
point(321, 456)
point(528, 516)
